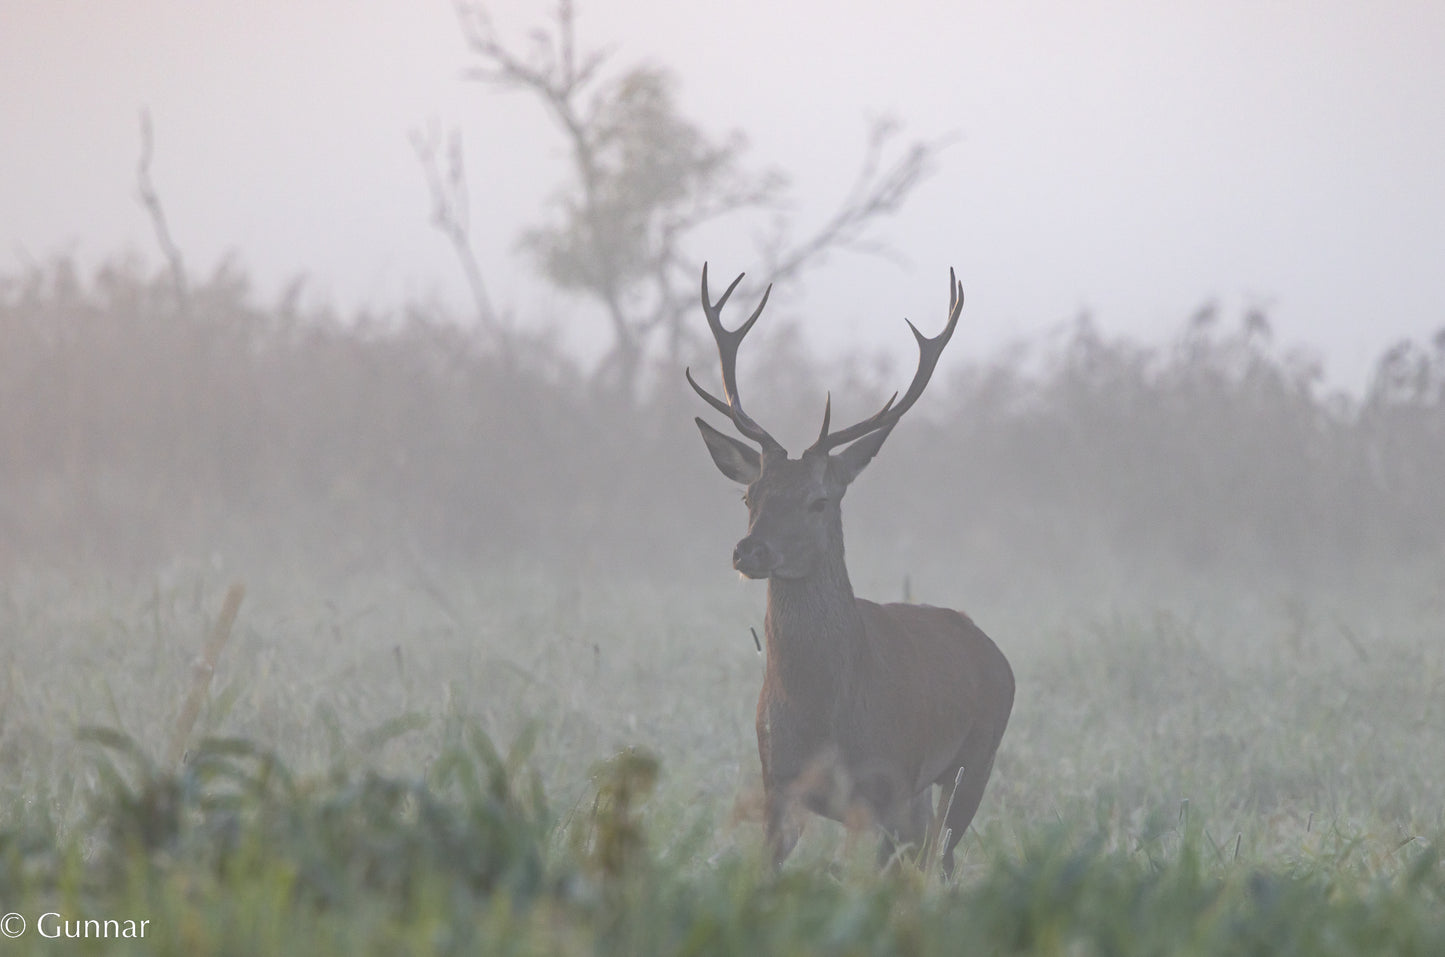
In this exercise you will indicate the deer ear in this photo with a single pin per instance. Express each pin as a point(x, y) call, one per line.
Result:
point(845, 465)
point(737, 461)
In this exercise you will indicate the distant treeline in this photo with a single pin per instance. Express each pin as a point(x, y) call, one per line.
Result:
point(140, 421)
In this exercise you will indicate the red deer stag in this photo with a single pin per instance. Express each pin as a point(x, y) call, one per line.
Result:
point(864, 706)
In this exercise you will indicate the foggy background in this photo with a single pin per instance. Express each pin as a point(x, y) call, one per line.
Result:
point(1182, 458)
point(1126, 159)
point(1198, 246)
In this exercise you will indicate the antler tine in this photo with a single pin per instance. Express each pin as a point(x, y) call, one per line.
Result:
point(707, 396)
point(876, 421)
point(928, 352)
point(727, 348)
point(827, 414)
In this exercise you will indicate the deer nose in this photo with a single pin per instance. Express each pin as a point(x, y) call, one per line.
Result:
point(754, 558)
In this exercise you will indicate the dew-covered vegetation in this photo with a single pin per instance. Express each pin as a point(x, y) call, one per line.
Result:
point(491, 684)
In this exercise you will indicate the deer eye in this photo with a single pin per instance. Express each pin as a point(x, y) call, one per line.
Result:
point(817, 505)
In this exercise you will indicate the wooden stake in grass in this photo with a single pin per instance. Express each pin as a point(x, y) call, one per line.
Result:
point(201, 673)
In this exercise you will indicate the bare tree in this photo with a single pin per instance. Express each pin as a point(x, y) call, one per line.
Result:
point(451, 215)
point(150, 200)
point(644, 178)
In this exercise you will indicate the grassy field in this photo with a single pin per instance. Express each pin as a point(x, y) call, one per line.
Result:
point(460, 762)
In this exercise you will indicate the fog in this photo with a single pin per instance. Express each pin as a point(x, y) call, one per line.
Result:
point(140, 427)
point(1128, 160)
point(1192, 243)
point(1181, 458)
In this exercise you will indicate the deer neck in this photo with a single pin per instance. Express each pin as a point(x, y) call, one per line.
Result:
point(813, 625)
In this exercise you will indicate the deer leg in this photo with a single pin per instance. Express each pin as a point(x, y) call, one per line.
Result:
point(784, 822)
point(905, 827)
point(886, 801)
point(778, 754)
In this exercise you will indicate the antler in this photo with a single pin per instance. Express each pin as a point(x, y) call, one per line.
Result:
point(727, 348)
point(885, 418)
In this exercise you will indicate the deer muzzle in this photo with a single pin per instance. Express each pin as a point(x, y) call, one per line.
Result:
point(754, 559)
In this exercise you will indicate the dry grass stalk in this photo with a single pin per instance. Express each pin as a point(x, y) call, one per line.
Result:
point(930, 857)
point(201, 673)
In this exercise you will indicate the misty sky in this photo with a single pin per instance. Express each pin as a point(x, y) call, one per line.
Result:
point(1129, 159)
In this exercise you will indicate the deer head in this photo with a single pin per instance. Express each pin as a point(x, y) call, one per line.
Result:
point(794, 516)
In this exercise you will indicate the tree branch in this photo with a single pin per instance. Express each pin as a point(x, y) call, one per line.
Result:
point(150, 200)
point(451, 215)
point(873, 195)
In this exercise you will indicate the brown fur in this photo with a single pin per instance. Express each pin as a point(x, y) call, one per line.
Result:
point(864, 707)
point(871, 709)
